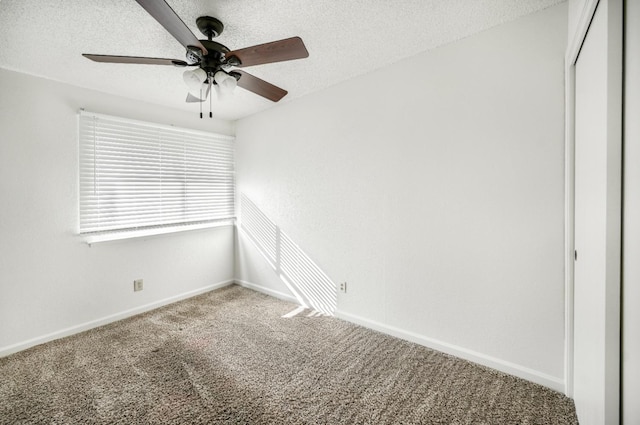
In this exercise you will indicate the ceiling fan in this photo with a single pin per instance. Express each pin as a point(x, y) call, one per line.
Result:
point(213, 60)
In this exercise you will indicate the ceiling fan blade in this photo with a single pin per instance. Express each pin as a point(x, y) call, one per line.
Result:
point(200, 94)
point(276, 51)
point(193, 99)
point(134, 59)
point(260, 87)
point(164, 14)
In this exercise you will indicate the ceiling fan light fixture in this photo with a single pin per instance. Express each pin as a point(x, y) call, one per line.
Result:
point(194, 79)
point(225, 84)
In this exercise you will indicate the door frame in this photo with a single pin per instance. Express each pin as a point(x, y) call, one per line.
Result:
point(614, 133)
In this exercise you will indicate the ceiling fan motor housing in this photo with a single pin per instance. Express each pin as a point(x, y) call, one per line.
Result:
point(194, 55)
point(213, 61)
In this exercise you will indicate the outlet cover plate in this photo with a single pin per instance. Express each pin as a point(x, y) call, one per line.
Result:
point(137, 285)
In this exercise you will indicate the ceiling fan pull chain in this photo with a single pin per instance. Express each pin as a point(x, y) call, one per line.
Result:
point(210, 97)
point(200, 102)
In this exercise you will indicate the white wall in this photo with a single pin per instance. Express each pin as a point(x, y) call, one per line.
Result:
point(51, 283)
point(435, 189)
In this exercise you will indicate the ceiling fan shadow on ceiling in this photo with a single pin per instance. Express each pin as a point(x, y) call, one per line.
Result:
point(214, 61)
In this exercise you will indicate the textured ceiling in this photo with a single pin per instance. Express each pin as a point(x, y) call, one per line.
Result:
point(345, 38)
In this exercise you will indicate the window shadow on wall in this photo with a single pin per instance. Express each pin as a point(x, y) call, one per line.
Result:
point(308, 283)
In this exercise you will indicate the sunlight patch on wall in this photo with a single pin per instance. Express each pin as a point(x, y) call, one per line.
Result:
point(262, 230)
point(309, 284)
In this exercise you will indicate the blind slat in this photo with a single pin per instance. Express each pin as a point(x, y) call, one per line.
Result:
point(136, 175)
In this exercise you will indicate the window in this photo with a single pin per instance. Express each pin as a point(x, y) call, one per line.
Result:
point(137, 175)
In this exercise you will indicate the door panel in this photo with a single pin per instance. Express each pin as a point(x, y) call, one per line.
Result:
point(597, 226)
point(631, 247)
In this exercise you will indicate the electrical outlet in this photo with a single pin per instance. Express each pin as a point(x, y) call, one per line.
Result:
point(343, 287)
point(137, 285)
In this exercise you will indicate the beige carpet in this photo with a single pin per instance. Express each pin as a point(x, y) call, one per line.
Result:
point(229, 357)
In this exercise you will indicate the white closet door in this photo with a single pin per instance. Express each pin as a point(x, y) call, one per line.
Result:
point(597, 223)
point(631, 247)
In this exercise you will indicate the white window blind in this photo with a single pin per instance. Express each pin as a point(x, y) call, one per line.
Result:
point(137, 175)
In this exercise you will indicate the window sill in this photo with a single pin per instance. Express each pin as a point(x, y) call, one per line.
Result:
point(91, 239)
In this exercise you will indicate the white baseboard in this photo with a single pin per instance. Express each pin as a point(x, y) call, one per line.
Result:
point(461, 352)
point(267, 291)
point(5, 351)
point(473, 356)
